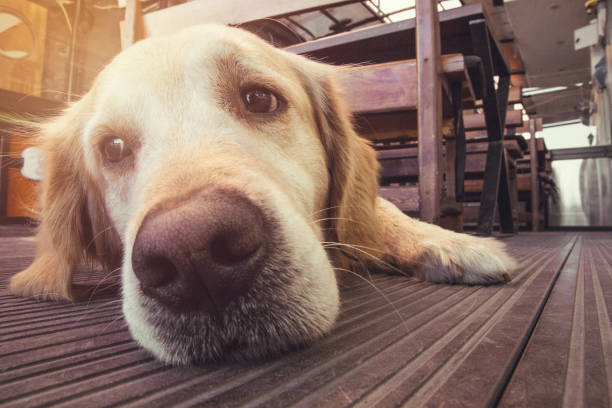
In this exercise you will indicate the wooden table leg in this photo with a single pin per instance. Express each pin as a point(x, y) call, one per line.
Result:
point(451, 207)
point(533, 166)
point(429, 91)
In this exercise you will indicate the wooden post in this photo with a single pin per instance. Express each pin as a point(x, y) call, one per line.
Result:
point(429, 91)
point(535, 187)
point(132, 26)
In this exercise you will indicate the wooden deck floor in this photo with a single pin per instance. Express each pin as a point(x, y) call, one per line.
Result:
point(543, 340)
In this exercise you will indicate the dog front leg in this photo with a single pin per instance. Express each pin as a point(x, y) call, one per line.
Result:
point(49, 276)
point(438, 255)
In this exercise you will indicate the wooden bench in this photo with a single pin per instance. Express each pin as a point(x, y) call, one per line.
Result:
point(462, 30)
point(384, 99)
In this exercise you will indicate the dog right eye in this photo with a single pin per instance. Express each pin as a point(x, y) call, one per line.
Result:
point(114, 149)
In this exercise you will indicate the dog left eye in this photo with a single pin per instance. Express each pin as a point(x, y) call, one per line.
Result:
point(260, 100)
point(114, 149)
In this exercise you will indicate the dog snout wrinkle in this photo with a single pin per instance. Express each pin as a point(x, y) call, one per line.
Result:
point(200, 253)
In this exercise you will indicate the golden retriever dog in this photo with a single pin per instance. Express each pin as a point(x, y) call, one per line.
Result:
point(223, 178)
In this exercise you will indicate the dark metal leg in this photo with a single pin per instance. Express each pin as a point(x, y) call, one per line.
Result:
point(495, 188)
point(456, 88)
point(504, 198)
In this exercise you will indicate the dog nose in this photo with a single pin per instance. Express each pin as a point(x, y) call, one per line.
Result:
point(202, 252)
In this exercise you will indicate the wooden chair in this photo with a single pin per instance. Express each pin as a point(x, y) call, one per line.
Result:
point(383, 98)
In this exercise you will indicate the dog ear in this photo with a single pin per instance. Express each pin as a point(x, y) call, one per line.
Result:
point(353, 174)
point(73, 222)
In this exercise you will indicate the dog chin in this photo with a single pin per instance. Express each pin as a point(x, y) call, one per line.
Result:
point(287, 307)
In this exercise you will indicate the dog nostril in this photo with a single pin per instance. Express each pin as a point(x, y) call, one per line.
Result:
point(235, 246)
point(157, 271)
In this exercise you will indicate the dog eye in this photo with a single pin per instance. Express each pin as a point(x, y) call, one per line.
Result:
point(114, 149)
point(260, 100)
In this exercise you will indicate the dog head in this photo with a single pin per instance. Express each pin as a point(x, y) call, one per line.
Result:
point(224, 178)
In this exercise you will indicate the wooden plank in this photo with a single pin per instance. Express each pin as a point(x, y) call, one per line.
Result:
point(524, 180)
point(512, 147)
point(509, 132)
point(523, 183)
point(381, 87)
point(524, 165)
point(568, 359)
point(403, 163)
point(429, 91)
point(405, 168)
point(476, 163)
point(404, 152)
point(469, 341)
point(398, 153)
point(473, 186)
point(391, 86)
point(395, 41)
point(406, 198)
point(389, 126)
point(476, 121)
point(175, 18)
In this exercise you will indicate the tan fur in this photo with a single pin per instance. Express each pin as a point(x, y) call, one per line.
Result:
point(176, 101)
point(73, 219)
point(353, 170)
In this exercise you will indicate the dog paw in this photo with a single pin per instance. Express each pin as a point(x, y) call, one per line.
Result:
point(460, 258)
point(42, 281)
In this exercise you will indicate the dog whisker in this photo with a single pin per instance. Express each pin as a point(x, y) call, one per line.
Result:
point(336, 219)
point(378, 290)
point(93, 240)
point(362, 249)
point(109, 275)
